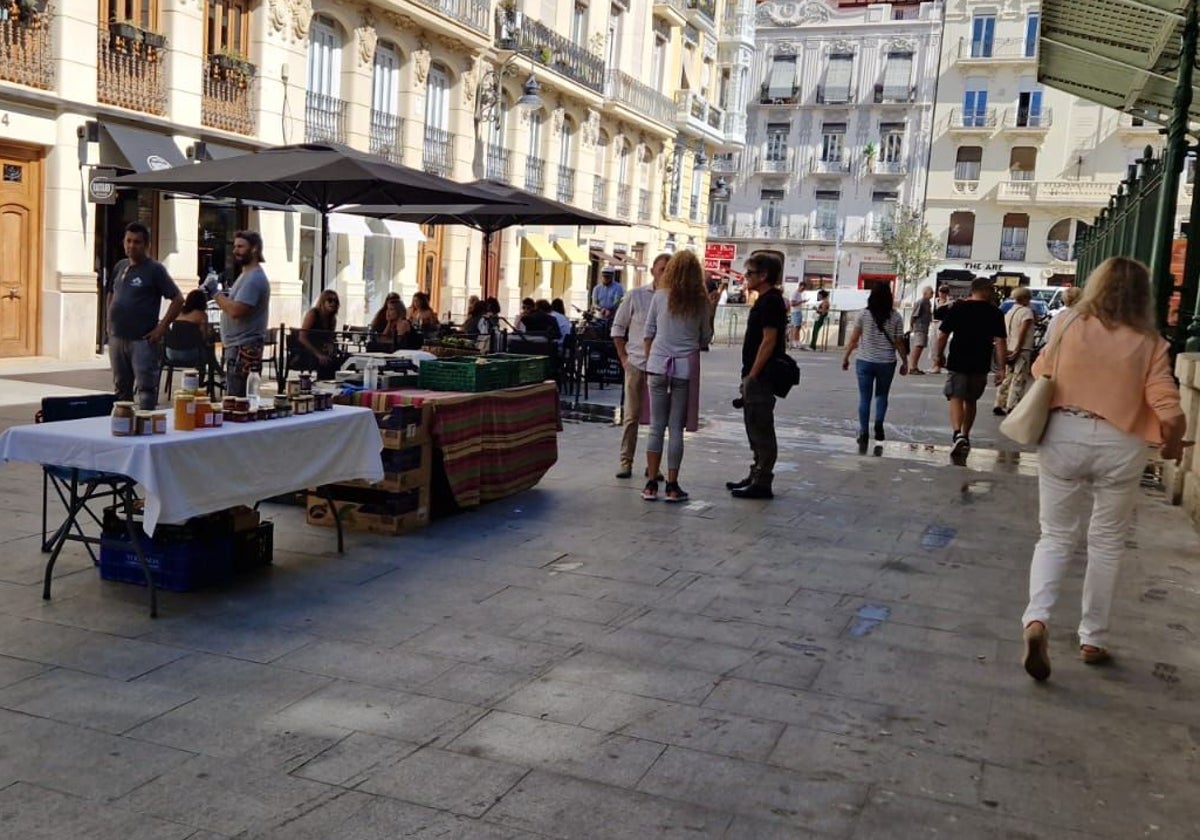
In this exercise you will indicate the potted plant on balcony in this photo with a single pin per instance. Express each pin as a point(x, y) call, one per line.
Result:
point(508, 26)
point(869, 156)
point(124, 32)
point(545, 55)
point(232, 65)
point(26, 12)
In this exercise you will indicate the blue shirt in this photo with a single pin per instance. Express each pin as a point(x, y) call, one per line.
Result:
point(607, 297)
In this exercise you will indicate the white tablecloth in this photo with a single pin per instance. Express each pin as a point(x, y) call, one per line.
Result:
point(186, 474)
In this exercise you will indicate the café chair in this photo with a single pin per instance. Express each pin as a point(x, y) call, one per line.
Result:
point(185, 340)
point(70, 483)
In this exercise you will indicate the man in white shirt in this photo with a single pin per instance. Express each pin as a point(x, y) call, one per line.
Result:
point(1018, 323)
point(629, 335)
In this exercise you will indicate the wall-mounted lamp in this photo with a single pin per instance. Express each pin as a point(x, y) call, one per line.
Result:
point(198, 151)
point(89, 131)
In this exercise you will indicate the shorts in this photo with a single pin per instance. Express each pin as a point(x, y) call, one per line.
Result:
point(797, 317)
point(918, 337)
point(965, 386)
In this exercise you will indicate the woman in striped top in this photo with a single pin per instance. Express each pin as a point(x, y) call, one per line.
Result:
point(879, 338)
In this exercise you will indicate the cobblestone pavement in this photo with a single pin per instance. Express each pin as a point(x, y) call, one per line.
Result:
point(575, 663)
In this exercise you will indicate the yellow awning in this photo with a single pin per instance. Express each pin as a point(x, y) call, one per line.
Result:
point(540, 246)
point(572, 251)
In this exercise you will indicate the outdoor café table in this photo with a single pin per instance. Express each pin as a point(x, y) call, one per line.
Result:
point(186, 474)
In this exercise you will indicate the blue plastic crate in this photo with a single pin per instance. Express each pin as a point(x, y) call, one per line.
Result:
point(175, 566)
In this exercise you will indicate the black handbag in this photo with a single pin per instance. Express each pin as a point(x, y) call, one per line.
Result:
point(783, 373)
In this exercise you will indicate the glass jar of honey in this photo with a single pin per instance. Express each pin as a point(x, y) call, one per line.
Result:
point(185, 411)
point(123, 419)
point(203, 413)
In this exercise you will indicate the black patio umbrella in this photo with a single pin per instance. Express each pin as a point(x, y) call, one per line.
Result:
point(324, 177)
point(515, 207)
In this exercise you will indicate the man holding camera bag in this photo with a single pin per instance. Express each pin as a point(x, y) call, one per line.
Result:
point(766, 331)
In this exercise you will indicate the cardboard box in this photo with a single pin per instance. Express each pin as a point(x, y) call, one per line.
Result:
point(356, 516)
point(243, 518)
point(410, 468)
point(402, 426)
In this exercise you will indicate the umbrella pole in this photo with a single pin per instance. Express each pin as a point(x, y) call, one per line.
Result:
point(324, 247)
point(487, 264)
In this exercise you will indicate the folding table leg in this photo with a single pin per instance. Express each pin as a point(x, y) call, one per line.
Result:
point(60, 537)
point(132, 528)
point(337, 516)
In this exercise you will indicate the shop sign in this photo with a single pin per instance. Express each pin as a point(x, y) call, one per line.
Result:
point(714, 265)
point(980, 266)
point(720, 251)
point(101, 189)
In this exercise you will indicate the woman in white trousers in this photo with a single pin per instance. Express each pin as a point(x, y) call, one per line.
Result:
point(1113, 395)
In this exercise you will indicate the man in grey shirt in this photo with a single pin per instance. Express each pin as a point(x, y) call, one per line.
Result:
point(244, 313)
point(135, 293)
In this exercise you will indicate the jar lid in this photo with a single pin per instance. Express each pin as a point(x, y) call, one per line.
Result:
point(180, 395)
point(124, 404)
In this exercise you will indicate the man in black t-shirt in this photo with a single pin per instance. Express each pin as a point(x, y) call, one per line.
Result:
point(977, 328)
point(766, 330)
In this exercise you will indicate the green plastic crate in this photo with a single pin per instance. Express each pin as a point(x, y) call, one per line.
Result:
point(528, 369)
point(463, 374)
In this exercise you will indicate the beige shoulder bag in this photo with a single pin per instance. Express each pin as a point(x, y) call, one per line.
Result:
point(1026, 423)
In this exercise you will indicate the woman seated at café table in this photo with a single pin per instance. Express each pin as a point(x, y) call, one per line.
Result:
point(316, 341)
point(390, 329)
point(420, 315)
point(195, 311)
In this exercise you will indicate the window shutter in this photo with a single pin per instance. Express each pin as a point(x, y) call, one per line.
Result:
point(897, 73)
point(783, 77)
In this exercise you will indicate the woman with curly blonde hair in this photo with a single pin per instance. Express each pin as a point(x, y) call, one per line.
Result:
point(1113, 395)
point(677, 326)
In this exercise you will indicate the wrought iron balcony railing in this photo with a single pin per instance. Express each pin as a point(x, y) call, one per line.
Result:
point(324, 119)
point(1012, 252)
point(958, 252)
point(130, 71)
point(726, 163)
point(535, 174)
point(1025, 118)
point(438, 157)
point(705, 10)
point(226, 101)
point(895, 93)
point(473, 13)
point(565, 191)
point(387, 135)
point(997, 49)
point(644, 197)
point(839, 95)
point(768, 95)
point(599, 194)
point(499, 164)
point(25, 50)
point(624, 200)
point(541, 43)
point(972, 118)
point(640, 97)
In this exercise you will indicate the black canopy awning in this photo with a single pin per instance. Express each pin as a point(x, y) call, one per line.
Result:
point(142, 151)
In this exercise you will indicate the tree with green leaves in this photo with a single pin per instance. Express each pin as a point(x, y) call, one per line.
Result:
point(910, 246)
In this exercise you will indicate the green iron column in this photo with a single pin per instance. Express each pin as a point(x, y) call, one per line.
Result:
point(1164, 218)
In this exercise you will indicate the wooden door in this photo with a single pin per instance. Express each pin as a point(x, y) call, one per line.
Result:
point(20, 250)
point(429, 258)
point(489, 266)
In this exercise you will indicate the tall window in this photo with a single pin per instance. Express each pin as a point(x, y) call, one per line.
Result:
point(142, 12)
point(827, 213)
point(891, 142)
point(1063, 237)
point(1029, 108)
point(676, 181)
point(838, 78)
point(616, 14)
point(437, 99)
point(1031, 33)
point(324, 58)
point(385, 80)
point(1022, 161)
point(623, 164)
point(777, 141)
point(658, 58)
point(967, 163)
point(962, 235)
point(718, 212)
point(833, 142)
point(1014, 236)
point(694, 200)
point(975, 108)
point(883, 209)
point(565, 148)
point(227, 27)
point(782, 82)
point(534, 149)
point(983, 36)
point(579, 24)
point(897, 75)
point(771, 215)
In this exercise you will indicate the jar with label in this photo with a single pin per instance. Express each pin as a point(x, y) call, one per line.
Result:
point(191, 380)
point(185, 411)
point(143, 423)
point(218, 416)
point(283, 406)
point(203, 413)
point(160, 422)
point(123, 419)
point(306, 383)
point(229, 404)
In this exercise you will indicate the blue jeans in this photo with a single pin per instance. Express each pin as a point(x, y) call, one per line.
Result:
point(876, 377)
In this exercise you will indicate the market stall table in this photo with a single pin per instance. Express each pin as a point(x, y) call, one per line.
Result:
point(494, 443)
point(187, 474)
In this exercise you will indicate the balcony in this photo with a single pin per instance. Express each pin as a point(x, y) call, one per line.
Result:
point(644, 197)
point(895, 94)
point(696, 116)
point(974, 119)
point(25, 50)
point(1015, 192)
point(556, 52)
point(829, 167)
point(387, 135)
point(226, 100)
point(672, 11)
point(599, 194)
point(703, 13)
point(1083, 194)
point(438, 156)
point(720, 231)
point(1024, 120)
point(130, 70)
point(958, 252)
point(1015, 253)
point(890, 168)
point(639, 97)
point(498, 166)
point(624, 201)
point(738, 24)
point(774, 230)
point(324, 118)
point(996, 51)
point(835, 96)
point(965, 186)
point(535, 175)
point(470, 13)
point(768, 95)
point(823, 233)
point(735, 128)
point(776, 161)
point(565, 191)
point(726, 163)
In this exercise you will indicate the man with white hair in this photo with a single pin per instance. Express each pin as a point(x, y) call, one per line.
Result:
point(1018, 324)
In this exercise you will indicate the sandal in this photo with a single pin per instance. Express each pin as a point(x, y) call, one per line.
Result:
point(675, 493)
point(1092, 655)
point(650, 493)
point(1037, 653)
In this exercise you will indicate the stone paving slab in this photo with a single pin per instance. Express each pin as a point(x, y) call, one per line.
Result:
point(841, 662)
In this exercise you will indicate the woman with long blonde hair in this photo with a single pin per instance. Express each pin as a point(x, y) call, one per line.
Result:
point(1113, 396)
point(677, 326)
